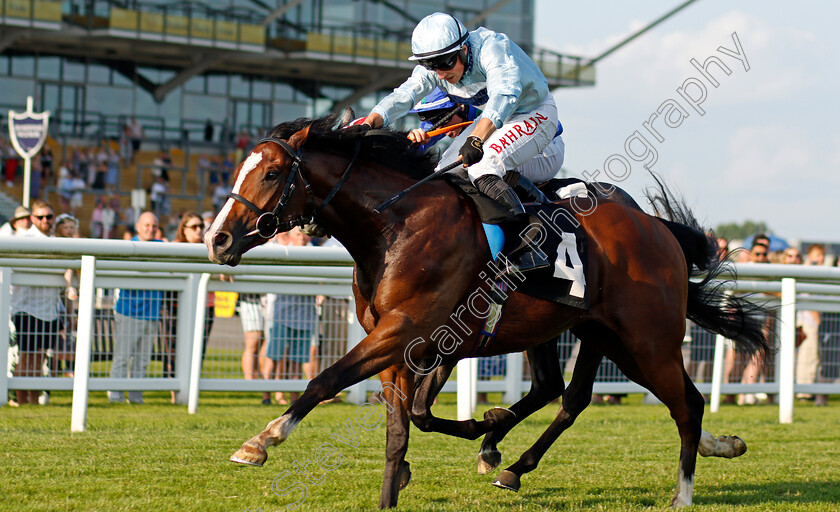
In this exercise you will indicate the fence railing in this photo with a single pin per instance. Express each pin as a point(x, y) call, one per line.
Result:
point(188, 357)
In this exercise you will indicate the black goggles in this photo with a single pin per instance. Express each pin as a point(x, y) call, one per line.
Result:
point(442, 62)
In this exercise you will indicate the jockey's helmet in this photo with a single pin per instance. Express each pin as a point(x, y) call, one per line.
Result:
point(436, 35)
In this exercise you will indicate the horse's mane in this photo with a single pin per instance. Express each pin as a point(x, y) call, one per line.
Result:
point(393, 150)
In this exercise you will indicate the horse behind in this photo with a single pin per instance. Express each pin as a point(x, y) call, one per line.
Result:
point(419, 262)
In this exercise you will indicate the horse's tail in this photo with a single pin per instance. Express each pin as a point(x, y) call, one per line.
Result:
point(709, 305)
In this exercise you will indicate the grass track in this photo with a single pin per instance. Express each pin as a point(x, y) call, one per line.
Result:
point(156, 457)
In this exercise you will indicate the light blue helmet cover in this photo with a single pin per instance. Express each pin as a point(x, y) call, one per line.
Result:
point(437, 34)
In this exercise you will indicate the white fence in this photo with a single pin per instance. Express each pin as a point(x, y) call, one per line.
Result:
point(182, 269)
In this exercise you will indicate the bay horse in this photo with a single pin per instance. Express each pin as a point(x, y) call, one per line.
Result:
point(417, 263)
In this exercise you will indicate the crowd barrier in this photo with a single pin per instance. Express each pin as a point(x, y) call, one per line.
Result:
point(196, 350)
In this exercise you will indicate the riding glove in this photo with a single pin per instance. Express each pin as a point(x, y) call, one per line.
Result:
point(471, 152)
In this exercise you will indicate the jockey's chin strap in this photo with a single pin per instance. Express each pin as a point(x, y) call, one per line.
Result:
point(268, 222)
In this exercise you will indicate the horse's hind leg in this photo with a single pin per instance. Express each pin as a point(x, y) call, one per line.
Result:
point(428, 387)
point(546, 385)
point(575, 399)
point(397, 388)
point(659, 368)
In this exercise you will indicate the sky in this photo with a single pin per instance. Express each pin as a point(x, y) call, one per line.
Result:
point(767, 145)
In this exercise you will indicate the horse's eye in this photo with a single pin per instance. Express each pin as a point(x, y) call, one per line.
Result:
point(272, 175)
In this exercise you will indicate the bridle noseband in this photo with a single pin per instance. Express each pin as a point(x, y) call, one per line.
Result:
point(268, 222)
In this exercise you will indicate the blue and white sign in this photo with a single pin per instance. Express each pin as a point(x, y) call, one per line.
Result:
point(28, 130)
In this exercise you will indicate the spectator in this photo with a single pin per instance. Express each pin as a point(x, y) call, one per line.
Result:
point(723, 248)
point(292, 329)
point(10, 157)
point(807, 355)
point(96, 219)
point(136, 317)
point(46, 163)
point(67, 226)
point(128, 217)
point(190, 230)
point(208, 218)
point(102, 154)
point(90, 167)
point(166, 159)
point(35, 176)
point(758, 254)
point(203, 167)
point(109, 220)
point(227, 168)
point(215, 169)
point(208, 131)
point(77, 185)
point(243, 140)
point(19, 222)
point(252, 316)
point(65, 189)
point(792, 256)
point(220, 195)
point(159, 197)
point(99, 176)
point(36, 311)
point(135, 133)
point(112, 176)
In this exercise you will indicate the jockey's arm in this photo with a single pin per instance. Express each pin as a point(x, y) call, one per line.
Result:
point(374, 120)
point(483, 129)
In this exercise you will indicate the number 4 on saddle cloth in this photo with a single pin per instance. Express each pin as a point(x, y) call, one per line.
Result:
point(560, 238)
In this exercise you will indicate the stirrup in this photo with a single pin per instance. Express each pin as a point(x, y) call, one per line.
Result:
point(521, 261)
point(529, 260)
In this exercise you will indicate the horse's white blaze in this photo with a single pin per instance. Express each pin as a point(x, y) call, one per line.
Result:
point(249, 165)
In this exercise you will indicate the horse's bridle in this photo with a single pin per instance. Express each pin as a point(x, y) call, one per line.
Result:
point(268, 222)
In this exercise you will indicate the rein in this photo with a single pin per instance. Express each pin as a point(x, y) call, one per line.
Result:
point(268, 222)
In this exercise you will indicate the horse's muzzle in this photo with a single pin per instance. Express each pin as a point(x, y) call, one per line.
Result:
point(218, 249)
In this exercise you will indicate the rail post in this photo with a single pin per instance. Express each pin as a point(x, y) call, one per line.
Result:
point(787, 350)
point(84, 333)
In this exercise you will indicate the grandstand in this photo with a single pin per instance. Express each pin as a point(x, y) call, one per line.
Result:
point(239, 65)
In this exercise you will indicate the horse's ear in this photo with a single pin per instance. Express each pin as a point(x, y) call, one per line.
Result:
point(346, 116)
point(297, 140)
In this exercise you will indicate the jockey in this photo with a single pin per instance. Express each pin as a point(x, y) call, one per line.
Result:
point(436, 111)
point(518, 119)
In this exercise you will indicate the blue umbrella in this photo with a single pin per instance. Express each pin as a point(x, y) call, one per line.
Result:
point(776, 243)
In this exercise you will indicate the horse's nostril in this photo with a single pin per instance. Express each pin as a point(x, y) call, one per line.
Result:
point(222, 240)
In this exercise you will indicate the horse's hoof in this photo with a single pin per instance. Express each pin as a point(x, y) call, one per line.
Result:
point(488, 461)
point(250, 454)
point(739, 447)
point(507, 480)
point(499, 416)
point(405, 475)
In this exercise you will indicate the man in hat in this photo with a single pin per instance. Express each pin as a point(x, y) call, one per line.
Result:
point(18, 223)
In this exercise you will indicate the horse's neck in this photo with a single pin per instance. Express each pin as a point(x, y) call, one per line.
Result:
point(351, 218)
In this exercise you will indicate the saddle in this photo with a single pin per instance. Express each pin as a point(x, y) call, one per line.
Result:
point(561, 239)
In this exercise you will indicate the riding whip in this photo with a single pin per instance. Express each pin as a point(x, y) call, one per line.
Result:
point(439, 172)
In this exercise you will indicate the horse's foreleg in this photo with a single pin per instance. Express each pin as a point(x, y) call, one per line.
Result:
point(397, 391)
point(575, 399)
point(372, 355)
point(546, 385)
point(428, 387)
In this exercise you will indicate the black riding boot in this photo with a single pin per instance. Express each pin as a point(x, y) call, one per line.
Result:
point(518, 250)
point(525, 188)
